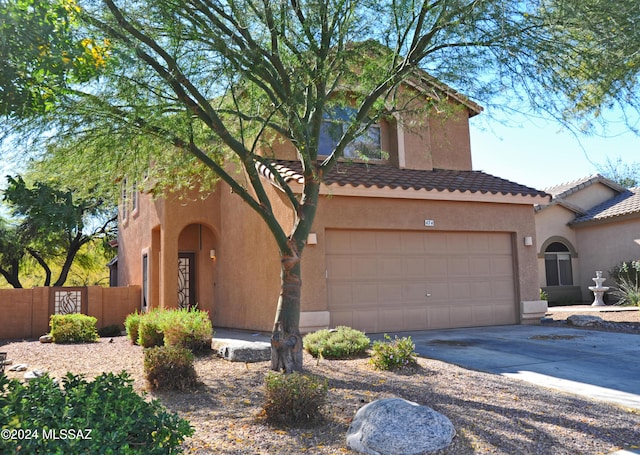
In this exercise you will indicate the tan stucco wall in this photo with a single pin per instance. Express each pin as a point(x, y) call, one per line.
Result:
point(602, 246)
point(590, 196)
point(440, 141)
point(450, 141)
point(160, 228)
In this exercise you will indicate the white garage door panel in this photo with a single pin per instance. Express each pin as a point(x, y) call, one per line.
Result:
point(399, 280)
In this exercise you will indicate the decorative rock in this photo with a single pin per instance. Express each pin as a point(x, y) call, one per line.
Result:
point(33, 374)
point(242, 351)
point(19, 367)
point(46, 339)
point(580, 320)
point(393, 426)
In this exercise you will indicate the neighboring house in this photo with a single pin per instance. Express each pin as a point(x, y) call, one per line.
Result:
point(411, 239)
point(590, 224)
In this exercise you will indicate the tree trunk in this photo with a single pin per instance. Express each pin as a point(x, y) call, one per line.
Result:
point(286, 341)
point(11, 275)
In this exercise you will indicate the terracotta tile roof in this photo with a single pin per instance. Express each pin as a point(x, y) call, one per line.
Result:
point(386, 176)
point(626, 203)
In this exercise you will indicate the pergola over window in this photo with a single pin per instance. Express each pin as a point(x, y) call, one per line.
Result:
point(557, 264)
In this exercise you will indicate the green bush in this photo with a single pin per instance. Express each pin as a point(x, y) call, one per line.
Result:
point(169, 368)
point(339, 343)
point(150, 329)
point(189, 329)
point(113, 330)
point(294, 399)
point(393, 354)
point(73, 328)
point(543, 295)
point(174, 327)
point(131, 325)
point(106, 415)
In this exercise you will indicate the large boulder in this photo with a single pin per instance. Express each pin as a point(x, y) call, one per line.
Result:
point(242, 351)
point(583, 320)
point(393, 426)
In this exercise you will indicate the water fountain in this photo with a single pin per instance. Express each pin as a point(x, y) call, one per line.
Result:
point(598, 290)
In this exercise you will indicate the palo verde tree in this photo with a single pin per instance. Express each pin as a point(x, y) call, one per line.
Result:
point(50, 226)
point(193, 85)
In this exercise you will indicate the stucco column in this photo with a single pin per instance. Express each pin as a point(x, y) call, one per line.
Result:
point(168, 284)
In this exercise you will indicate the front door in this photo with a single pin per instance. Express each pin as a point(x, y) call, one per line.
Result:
point(186, 280)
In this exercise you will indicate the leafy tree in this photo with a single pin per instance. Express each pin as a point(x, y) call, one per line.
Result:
point(50, 226)
point(12, 251)
point(192, 85)
point(625, 174)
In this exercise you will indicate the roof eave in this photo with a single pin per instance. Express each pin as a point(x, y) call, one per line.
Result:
point(335, 189)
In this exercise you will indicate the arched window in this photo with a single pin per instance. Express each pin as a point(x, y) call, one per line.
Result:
point(557, 264)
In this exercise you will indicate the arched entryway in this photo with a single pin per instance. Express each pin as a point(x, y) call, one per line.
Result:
point(196, 267)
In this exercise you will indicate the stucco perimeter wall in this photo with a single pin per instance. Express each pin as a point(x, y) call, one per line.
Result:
point(345, 212)
point(25, 312)
point(602, 246)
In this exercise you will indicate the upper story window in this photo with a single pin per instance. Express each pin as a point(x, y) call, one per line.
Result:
point(365, 146)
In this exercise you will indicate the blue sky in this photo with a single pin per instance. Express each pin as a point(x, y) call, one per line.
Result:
point(541, 154)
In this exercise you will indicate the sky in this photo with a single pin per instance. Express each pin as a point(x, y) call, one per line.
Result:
point(540, 154)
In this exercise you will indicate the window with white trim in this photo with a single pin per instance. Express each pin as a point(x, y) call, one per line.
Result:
point(557, 265)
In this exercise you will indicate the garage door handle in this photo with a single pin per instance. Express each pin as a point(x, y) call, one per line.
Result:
point(427, 295)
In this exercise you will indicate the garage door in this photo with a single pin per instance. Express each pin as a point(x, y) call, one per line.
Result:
point(403, 280)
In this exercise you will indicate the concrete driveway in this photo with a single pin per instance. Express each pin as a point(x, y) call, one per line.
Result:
point(600, 365)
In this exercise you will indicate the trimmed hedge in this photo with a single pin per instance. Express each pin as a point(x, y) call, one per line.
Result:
point(73, 328)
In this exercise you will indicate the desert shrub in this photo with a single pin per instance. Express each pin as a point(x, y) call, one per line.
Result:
point(73, 328)
point(339, 343)
point(131, 325)
point(391, 354)
point(627, 292)
point(170, 368)
point(120, 421)
point(112, 330)
point(543, 295)
point(150, 329)
point(626, 272)
point(189, 329)
point(294, 399)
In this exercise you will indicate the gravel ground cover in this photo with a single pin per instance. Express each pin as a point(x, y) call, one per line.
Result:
point(492, 414)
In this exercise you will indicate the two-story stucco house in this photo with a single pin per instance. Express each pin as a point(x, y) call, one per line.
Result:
point(411, 239)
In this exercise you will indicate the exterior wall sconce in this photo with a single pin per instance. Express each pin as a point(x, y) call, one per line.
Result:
point(212, 254)
point(528, 241)
point(312, 239)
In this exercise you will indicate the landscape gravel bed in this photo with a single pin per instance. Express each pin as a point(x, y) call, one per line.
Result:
point(492, 414)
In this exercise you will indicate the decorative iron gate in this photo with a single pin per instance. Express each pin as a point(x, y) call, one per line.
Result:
point(186, 280)
point(68, 301)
